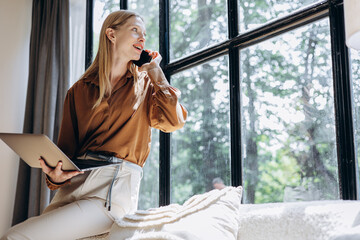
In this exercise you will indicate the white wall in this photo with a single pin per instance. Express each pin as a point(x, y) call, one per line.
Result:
point(15, 27)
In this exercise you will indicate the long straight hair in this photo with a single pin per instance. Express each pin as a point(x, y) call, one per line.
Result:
point(102, 64)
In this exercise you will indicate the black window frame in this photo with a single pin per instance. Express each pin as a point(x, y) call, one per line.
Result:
point(333, 9)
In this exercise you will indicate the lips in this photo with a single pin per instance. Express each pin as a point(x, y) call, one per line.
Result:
point(138, 46)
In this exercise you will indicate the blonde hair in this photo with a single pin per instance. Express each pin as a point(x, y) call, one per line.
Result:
point(102, 64)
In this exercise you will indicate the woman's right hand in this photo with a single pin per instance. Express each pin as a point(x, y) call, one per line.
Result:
point(57, 175)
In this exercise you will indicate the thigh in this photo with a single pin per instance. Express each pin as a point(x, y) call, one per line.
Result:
point(76, 220)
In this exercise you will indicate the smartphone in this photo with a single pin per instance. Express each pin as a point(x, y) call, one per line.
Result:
point(144, 58)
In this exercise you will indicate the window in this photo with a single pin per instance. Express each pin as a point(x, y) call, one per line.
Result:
point(102, 8)
point(253, 14)
point(288, 117)
point(201, 149)
point(196, 25)
point(77, 39)
point(355, 73)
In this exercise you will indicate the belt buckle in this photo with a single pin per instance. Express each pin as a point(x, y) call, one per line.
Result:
point(114, 159)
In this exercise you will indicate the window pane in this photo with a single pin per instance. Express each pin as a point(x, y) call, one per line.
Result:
point(200, 151)
point(149, 11)
point(196, 24)
point(253, 14)
point(355, 70)
point(288, 118)
point(149, 187)
point(149, 190)
point(77, 39)
point(102, 8)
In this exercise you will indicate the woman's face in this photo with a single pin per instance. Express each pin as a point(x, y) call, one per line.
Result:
point(129, 39)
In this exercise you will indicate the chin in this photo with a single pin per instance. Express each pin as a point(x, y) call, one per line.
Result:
point(135, 57)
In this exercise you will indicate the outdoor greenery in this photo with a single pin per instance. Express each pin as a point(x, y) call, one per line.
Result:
point(289, 117)
point(288, 124)
point(355, 69)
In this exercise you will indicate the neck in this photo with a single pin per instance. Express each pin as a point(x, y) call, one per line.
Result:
point(118, 70)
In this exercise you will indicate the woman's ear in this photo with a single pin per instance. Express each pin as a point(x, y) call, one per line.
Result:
point(110, 33)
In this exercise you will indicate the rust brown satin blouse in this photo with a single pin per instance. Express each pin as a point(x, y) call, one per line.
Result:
point(121, 125)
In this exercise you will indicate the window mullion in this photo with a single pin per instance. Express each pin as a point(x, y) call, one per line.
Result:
point(164, 161)
point(89, 32)
point(124, 4)
point(343, 105)
point(235, 104)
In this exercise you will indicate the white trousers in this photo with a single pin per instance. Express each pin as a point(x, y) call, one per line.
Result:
point(76, 220)
point(77, 210)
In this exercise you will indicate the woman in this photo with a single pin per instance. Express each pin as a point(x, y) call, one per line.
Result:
point(108, 112)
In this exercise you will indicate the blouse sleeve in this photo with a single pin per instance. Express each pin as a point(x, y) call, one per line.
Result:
point(68, 140)
point(165, 113)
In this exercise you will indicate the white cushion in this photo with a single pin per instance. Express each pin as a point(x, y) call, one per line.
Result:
point(212, 215)
point(314, 220)
point(349, 234)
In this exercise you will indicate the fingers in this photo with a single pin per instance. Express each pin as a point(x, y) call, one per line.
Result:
point(156, 59)
point(153, 54)
point(57, 174)
point(71, 174)
point(58, 166)
point(46, 169)
point(65, 175)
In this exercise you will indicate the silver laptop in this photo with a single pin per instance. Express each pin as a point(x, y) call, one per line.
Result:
point(31, 147)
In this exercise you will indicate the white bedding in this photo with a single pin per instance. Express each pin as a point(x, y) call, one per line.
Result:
point(212, 215)
point(218, 215)
point(313, 220)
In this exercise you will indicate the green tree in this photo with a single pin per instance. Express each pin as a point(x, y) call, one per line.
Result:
point(200, 152)
point(271, 161)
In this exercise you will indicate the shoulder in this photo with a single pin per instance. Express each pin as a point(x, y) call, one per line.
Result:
point(83, 84)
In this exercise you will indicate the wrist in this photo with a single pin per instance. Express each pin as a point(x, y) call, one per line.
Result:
point(55, 182)
point(52, 185)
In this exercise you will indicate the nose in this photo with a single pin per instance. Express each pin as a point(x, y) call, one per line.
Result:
point(142, 37)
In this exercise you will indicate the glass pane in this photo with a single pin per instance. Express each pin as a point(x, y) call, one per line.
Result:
point(102, 8)
point(77, 39)
point(196, 24)
point(200, 151)
point(355, 70)
point(149, 11)
point(253, 14)
point(149, 190)
point(149, 187)
point(288, 118)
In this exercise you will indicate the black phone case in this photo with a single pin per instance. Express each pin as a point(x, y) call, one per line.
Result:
point(144, 58)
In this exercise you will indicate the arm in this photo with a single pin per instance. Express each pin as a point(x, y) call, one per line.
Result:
point(165, 111)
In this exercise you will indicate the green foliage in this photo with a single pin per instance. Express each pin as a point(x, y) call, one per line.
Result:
point(355, 69)
point(199, 156)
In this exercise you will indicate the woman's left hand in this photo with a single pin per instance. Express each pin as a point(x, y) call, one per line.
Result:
point(155, 62)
